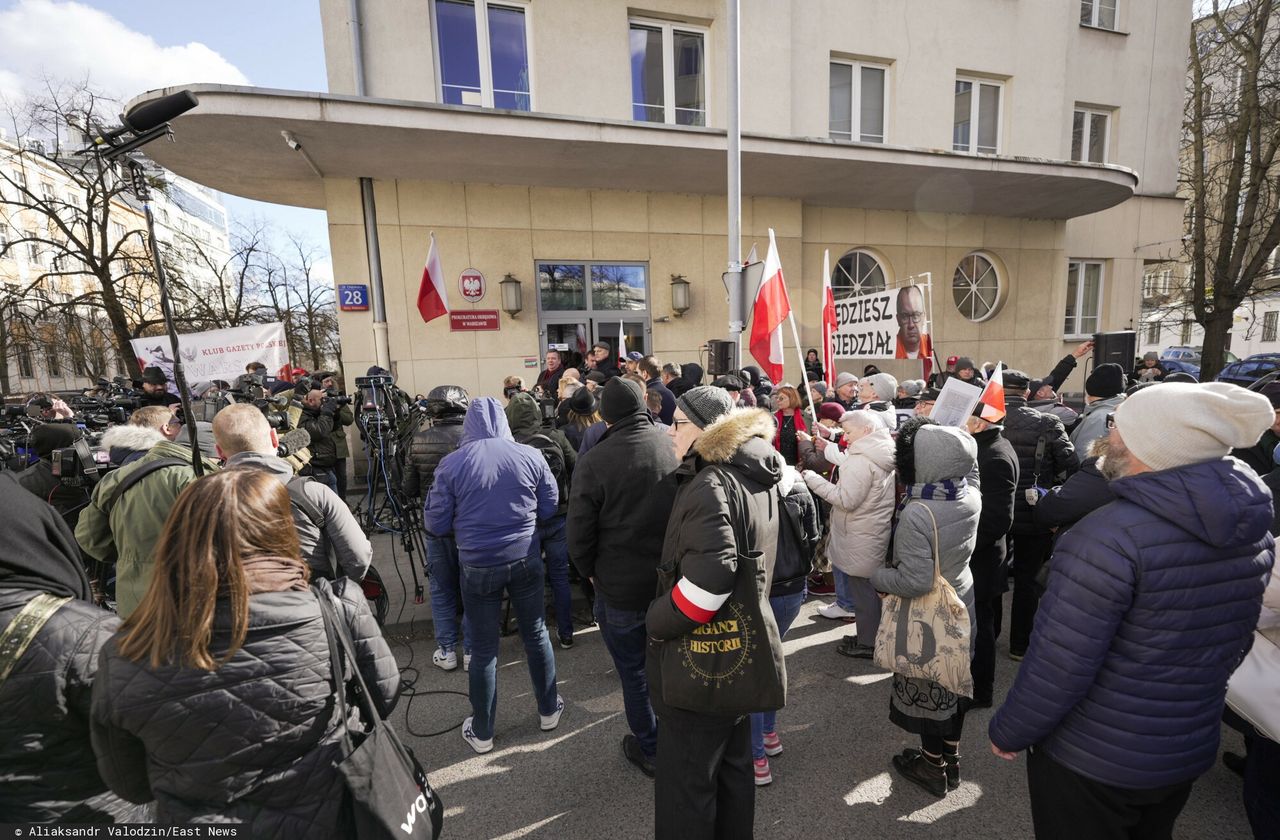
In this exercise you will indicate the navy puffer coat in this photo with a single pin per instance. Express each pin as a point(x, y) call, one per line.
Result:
point(1151, 604)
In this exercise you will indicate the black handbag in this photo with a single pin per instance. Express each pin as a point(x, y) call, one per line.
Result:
point(733, 664)
point(389, 795)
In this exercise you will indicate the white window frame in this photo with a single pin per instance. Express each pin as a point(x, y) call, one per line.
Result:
point(1153, 332)
point(1089, 113)
point(668, 29)
point(855, 112)
point(1094, 15)
point(975, 95)
point(485, 56)
point(1270, 322)
point(1102, 294)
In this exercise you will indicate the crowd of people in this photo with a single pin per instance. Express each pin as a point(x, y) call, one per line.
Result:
point(1136, 535)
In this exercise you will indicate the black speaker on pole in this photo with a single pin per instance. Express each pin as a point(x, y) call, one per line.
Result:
point(1119, 348)
point(721, 357)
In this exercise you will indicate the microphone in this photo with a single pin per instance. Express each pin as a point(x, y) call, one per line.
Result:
point(292, 442)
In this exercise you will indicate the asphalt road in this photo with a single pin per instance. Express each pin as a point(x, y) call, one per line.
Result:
point(833, 779)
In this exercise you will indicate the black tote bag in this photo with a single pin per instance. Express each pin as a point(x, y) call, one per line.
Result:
point(389, 793)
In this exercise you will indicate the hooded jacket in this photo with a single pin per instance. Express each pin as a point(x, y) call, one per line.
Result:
point(126, 444)
point(798, 540)
point(1151, 604)
point(130, 530)
point(621, 499)
point(700, 549)
point(491, 493)
point(525, 419)
point(861, 500)
point(338, 528)
point(254, 741)
point(1024, 427)
point(426, 449)
point(1093, 422)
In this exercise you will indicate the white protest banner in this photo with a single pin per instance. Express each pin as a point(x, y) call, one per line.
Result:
point(893, 324)
point(217, 354)
point(955, 402)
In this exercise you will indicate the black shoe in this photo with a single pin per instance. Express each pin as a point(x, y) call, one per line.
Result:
point(922, 773)
point(849, 647)
point(566, 642)
point(952, 768)
point(1234, 762)
point(631, 749)
point(980, 701)
point(1016, 654)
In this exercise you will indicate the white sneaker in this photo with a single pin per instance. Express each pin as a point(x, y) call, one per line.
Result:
point(836, 612)
point(551, 721)
point(477, 744)
point(466, 662)
point(444, 661)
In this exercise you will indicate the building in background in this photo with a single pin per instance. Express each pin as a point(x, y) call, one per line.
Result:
point(1023, 161)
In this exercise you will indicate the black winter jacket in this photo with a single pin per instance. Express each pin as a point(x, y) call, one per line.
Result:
point(621, 498)
point(1083, 493)
point(253, 741)
point(1023, 428)
point(47, 767)
point(426, 449)
point(321, 424)
point(795, 555)
point(998, 477)
point(66, 500)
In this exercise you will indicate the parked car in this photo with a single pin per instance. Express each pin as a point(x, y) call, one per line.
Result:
point(1248, 371)
point(1187, 359)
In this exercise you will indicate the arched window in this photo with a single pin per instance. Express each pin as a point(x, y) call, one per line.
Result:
point(857, 273)
point(977, 287)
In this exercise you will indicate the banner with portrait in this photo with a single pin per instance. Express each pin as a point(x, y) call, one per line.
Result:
point(893, 324)
point(216, 354)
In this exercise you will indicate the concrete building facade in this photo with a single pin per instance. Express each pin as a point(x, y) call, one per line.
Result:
point(1021, 155)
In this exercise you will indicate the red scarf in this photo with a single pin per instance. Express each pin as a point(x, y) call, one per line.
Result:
point(800, 426)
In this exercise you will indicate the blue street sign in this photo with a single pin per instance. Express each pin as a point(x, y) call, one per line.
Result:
point(353, 298)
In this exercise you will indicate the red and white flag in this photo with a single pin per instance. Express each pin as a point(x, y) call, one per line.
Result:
point(771, 308)
point(829, 322)
point(433, 300)
point(992, 399)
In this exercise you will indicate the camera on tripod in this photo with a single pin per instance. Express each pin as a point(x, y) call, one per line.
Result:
point(81, 465)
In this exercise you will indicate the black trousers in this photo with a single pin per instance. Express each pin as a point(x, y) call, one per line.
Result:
point(1030, 552)
point(704, 787)
point(986, 629)
point(1068, 806)
point(340, 469)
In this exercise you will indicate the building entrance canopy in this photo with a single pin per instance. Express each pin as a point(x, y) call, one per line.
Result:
point(232, 142)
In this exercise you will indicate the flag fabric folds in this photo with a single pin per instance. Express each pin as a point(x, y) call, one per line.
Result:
point(828, 321)
point(992, 399)
point(433, 300)
point(772, 306)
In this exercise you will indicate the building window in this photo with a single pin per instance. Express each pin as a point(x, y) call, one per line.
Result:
point(1153, 332)
point(857, 273)
point(564, 287)
point(1186, 333)
point(1099, 13)
point(1269, 325)
point(55, 364)
point(1157, 283)
point(4, 240)
point(1084, 298)
point(483, 54)
point(977, 117)
point(46, 190)
point(859, 101)
point(1090, 131)
point(24, 362)
point(976, 288)
point(668, 73)
point(33, 248)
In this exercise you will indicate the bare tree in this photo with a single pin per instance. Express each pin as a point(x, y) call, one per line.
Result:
point(1230, 176)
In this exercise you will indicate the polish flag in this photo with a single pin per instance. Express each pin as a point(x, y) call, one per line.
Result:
point(992, 399)
point(828, 321)
point(433, 301)
point(771, 308)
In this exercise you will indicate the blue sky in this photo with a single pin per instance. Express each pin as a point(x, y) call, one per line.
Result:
point(128, 46)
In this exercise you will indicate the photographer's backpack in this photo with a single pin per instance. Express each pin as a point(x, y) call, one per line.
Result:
point(555, 460)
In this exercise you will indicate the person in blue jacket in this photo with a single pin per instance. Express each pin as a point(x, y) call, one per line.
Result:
point(491, 493)
point(1151, 604)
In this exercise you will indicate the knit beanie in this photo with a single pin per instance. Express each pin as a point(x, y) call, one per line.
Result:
point(1178, 424)
point(886, 387)
point(819, 386)
point(50, 436)
point(704, 404)
point(913, 387)
point(583, 402)
point(965, 363)
point(844, 379)
point(620, 398)
point(1105, 381)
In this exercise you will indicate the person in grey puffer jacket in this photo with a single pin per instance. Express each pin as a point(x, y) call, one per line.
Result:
point(47, 769)
point(241, 725)
point(244, 439)
point(938, 465)
point(1103, 393)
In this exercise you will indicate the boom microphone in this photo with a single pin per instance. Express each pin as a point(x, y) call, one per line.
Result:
point(293, 442)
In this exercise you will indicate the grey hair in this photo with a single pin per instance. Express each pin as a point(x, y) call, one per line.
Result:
point(671, 368)
point(862, 419)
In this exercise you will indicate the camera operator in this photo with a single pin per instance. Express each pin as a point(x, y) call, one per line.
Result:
point(319, 411)
point(343, 418)
point(49, 408)
point(327, 530)
point(155, 388)
point(39, 478)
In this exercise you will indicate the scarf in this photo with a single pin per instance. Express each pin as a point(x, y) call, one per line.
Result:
point(800, 426)
point(274, 574)
point(39, 551)
point(947, 490)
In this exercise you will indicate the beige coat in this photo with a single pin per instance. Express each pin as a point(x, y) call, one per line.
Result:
point(861, 504)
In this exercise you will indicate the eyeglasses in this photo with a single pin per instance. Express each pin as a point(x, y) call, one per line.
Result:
point(910, 317)
point(677, 423)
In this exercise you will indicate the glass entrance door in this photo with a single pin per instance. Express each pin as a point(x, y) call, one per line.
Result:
point(580, 303)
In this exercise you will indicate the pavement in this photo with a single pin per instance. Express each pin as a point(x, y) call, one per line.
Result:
point(833, 779)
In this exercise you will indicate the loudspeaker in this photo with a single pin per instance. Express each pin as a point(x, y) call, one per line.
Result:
point(721, 357)
point(1115, 348)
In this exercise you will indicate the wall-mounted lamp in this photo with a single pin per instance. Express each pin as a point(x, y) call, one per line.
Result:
point(679, 295)
point(512, 296)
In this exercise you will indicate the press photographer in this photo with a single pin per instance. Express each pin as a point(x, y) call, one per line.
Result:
point(319, 418)
point(155, 388)
point(343, 418)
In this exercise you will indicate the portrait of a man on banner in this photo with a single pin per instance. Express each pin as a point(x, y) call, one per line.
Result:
point(913, 341)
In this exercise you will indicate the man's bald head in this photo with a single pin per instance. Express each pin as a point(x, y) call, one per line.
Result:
point(242, 428)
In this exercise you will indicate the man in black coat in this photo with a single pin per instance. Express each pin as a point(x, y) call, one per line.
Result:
point(1083, 493)
point(39, 478)
point(619, 504)
point(998, 478)
point(650, 368)
point(319, 412)
point(1045, 458)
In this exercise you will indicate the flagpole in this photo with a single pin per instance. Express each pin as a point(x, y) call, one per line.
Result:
point(734, 276)
point(804, 372)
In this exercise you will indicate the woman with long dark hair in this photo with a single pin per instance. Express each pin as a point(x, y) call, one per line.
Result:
point(813, 366)
point(216, 697)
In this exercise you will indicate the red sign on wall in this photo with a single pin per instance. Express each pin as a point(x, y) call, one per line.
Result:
point(473, 320)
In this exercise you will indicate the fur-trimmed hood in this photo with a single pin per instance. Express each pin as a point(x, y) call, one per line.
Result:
point(121, 441)
point(743, 439)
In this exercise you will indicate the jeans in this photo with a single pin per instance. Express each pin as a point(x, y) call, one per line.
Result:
point(555, 545)
point(844, 590)
point(704, 788)
point(442, 579)
point(625, 637)
point(326, 476)
point(1030, 551)
point(785, 609)
point(482, 588)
